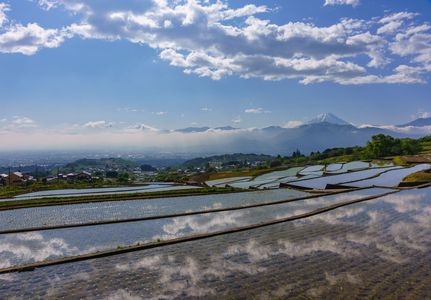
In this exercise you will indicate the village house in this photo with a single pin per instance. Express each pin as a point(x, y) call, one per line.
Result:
point(15, 178)
point(3, 179)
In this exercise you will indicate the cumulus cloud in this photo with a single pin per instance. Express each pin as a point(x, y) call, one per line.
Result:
point(341, 2)
point(28, 39)
point(212, 39)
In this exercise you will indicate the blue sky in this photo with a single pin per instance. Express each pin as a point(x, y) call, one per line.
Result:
point(70, 65)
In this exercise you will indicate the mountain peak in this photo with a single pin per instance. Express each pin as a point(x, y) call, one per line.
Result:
point(328, 118)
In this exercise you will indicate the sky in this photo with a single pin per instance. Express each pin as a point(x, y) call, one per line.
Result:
point(76, 71)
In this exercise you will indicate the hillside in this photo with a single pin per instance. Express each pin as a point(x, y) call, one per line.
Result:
point(239, 159)
point(101, 164)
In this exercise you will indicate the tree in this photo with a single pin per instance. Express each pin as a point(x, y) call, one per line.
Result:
point(148, 168)
point(275, 163)
point(111, 174)
point(410, 146)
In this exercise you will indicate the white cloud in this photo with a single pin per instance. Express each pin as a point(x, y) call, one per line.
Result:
point(3, 9)
point(257, 110)
point(18, 123)
point(129, 109)
point(237, 120)
point(393, 22)
point(211, 39)
point(30, 38)
point(141, 127)
point(160, 113)
point(97, 124)
point(206, 109)
point(293, 124)
point(341, 2)
point(47, 4)
point(397, 17)
point(421, 114)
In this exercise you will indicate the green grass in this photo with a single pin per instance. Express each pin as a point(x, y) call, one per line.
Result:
point(419, 177)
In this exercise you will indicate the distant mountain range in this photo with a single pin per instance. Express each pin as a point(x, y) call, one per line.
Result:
point(203, 129)
point(323, 132)
point(421, 122)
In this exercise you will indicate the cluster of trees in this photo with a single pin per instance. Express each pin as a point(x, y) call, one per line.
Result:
point(120, 176)
point(384, 145)
point(380, 146)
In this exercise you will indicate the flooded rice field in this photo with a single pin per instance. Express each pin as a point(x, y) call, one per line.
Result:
point(223, 182)
point(114, 210)
point(391, 178)
point(323, 182)
point(89, 191)
point(379, 248)
point(95, 192)
point(83, 240)
point(299, 176)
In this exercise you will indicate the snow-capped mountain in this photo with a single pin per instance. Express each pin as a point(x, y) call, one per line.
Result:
point(328, 118)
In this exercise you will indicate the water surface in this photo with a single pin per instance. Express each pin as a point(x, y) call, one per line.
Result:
point(373, 250)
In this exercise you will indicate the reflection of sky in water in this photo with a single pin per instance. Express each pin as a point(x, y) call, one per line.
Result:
point(87, 239)
point(333, 167)
point(86, 191)
point(379, 248)
point(152, 189)
point(352, 166)
point(279, 174)
point(77, 213)
point(222, 182)
point(320, 183)
point(391, 178)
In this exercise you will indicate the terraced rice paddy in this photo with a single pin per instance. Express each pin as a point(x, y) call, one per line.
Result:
point(98, 192)
point(223, 182)
point(272, 244)
point(115, 210)
point(323, 182)
point(299, 175)
point(373, 249)
point(389, 179)
point(88, 239)
point(352, 166)
point(90, 191)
